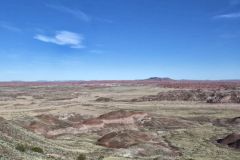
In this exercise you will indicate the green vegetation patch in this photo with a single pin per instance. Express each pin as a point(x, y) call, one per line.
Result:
point(36, 149)
point(24, 148)
point(82, 157)
point(21, 147)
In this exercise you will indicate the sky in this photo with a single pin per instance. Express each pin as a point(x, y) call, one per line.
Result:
point(119, 39)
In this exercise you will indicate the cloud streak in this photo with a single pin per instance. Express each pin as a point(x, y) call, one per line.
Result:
point(9, 27)
point(228, 16)
point(63, 38)
point(77, 13)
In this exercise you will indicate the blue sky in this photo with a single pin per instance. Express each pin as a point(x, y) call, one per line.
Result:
point(119, 39)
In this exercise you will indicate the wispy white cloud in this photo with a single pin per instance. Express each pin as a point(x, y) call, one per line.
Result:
point(9, 27)
point(74, 12)
point(228, 16)
point(66, 38)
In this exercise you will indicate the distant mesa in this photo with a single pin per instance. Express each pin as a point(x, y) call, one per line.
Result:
point(160, 79)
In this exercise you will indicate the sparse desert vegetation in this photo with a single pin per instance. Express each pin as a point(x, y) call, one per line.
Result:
point(120, 120)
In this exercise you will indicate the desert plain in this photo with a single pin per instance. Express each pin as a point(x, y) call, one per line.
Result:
point(154, 119)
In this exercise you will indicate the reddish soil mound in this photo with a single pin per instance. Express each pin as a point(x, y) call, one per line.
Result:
point(49, 119)
point(93, 121)
point(50, 126)
point(121, 114)
point(38, 127)
point(116, 117)
point(123, 139)
point(232, 140)
point(45, 123)
point(215, 96)
point(143, 143)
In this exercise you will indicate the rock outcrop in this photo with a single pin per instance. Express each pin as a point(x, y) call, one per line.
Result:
point(214, 96)
point(232, 140)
